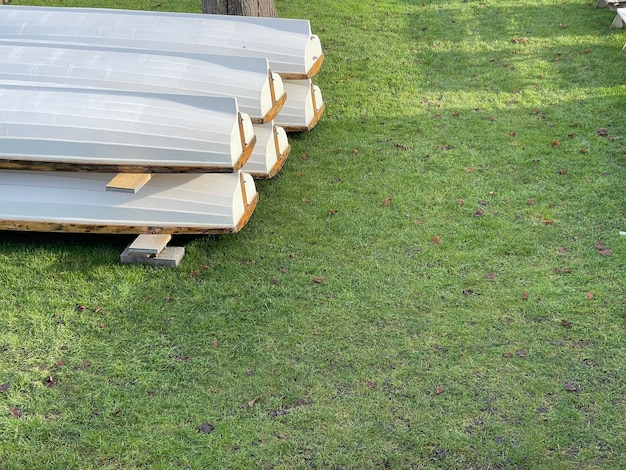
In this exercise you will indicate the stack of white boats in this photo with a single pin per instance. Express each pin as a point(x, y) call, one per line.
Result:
point(146, 122)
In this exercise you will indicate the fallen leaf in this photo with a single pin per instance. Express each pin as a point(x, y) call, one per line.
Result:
point(602, 132)
point(440, 453)
point(562, 250)
point(387, 202)
point(181, 357)
point(547, 221)
point(556, 143)
point(305, 200)
point(4, 388)
point(206, 428)
point(566, 323)
point(521, 353)
point(478, 213)
point(355, 151)
point(370, 384)
point(570, 387)
point(512, 134)
point(587, 51)
point(436, 240)
point(273, 282)
point(50, 382)
point(525, 296)
point(303, 157)
point(470, 169)
point(214, 344)
point(332, 211)
point(439, 390)
point(605, 251)
point(318, 280)
point(16, 413)
point(589, 295)
point(460, 202)
point(563, 171)
point(253, 401)
point(508, 355)
point(531, 202)
point(80, 308)
point(490, 276)
point(401, 147)
point(59, 363)
point(582, 151)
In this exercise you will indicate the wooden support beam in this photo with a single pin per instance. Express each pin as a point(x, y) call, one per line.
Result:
point(149, 244)
point(128, 182)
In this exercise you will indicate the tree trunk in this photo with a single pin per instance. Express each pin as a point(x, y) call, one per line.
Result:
point(240, 7)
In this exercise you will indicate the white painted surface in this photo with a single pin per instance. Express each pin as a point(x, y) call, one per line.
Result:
point(288, 44)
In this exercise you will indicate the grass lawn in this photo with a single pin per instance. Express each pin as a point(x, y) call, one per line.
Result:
point(434, 280)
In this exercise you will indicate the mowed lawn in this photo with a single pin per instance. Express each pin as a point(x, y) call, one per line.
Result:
point(434, 280)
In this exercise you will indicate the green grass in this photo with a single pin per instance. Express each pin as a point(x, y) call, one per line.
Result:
point(410, 353)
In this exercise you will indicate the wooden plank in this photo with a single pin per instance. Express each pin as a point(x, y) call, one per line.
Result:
point(147, 244)
point(128, 182)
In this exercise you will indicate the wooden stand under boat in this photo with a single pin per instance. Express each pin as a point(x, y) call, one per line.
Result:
point(168, 204)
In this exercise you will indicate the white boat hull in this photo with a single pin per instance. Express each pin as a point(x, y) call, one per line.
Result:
point(96, 130)
point(289, 45)
point(172, 203)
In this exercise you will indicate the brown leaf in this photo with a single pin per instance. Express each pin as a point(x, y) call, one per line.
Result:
point(562, 250)
point(566, 323)
point(556, 143)
point(273, 282)
point(50, 382)
point(436, 240)
point(525, 296)
point(563, 171)
point(478, 213)
point(4, 388)
point(460, 202)
point(214, 343)
point(490, 276)
point(582, 151)
point(439, 390)
point(182, 357)
point(206, 428)
point(318, 280)
point(589, 295)
point(332, 211)
point(370, 384)
point(521, 353)
point(531, 202)
point(469, 169)
point(305, 200)
point(80, 308)
point(401, 147)
point(602, 132)
point(547, 221)
point(253, 401)
point(59, 363)
point(387, 202)
point(605, 251)
point(16, 413)
point(508, 355)
point(570, 387)
point(512, 133)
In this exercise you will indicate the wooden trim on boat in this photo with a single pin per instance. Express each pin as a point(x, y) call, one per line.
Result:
point(273, 112)
point(303, 76)
point(104, 168)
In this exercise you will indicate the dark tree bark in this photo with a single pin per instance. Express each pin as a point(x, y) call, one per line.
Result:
point(240, 7)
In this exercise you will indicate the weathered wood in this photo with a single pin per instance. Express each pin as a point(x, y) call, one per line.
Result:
point(128, 182)
point(146, 244)
point(264, 8)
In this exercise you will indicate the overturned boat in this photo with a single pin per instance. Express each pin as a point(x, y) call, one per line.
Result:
point(169, 203)
point(289, 45)
point(54, 128)
point(259, 91)
point(303, 109)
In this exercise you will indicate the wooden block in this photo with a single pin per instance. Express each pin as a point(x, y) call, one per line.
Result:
point(128, 182)
point(148, 244)
point(170, 257)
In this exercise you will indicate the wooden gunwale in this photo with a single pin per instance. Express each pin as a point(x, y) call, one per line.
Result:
point(36, 226)
point(272, 112)
point(303, 76)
